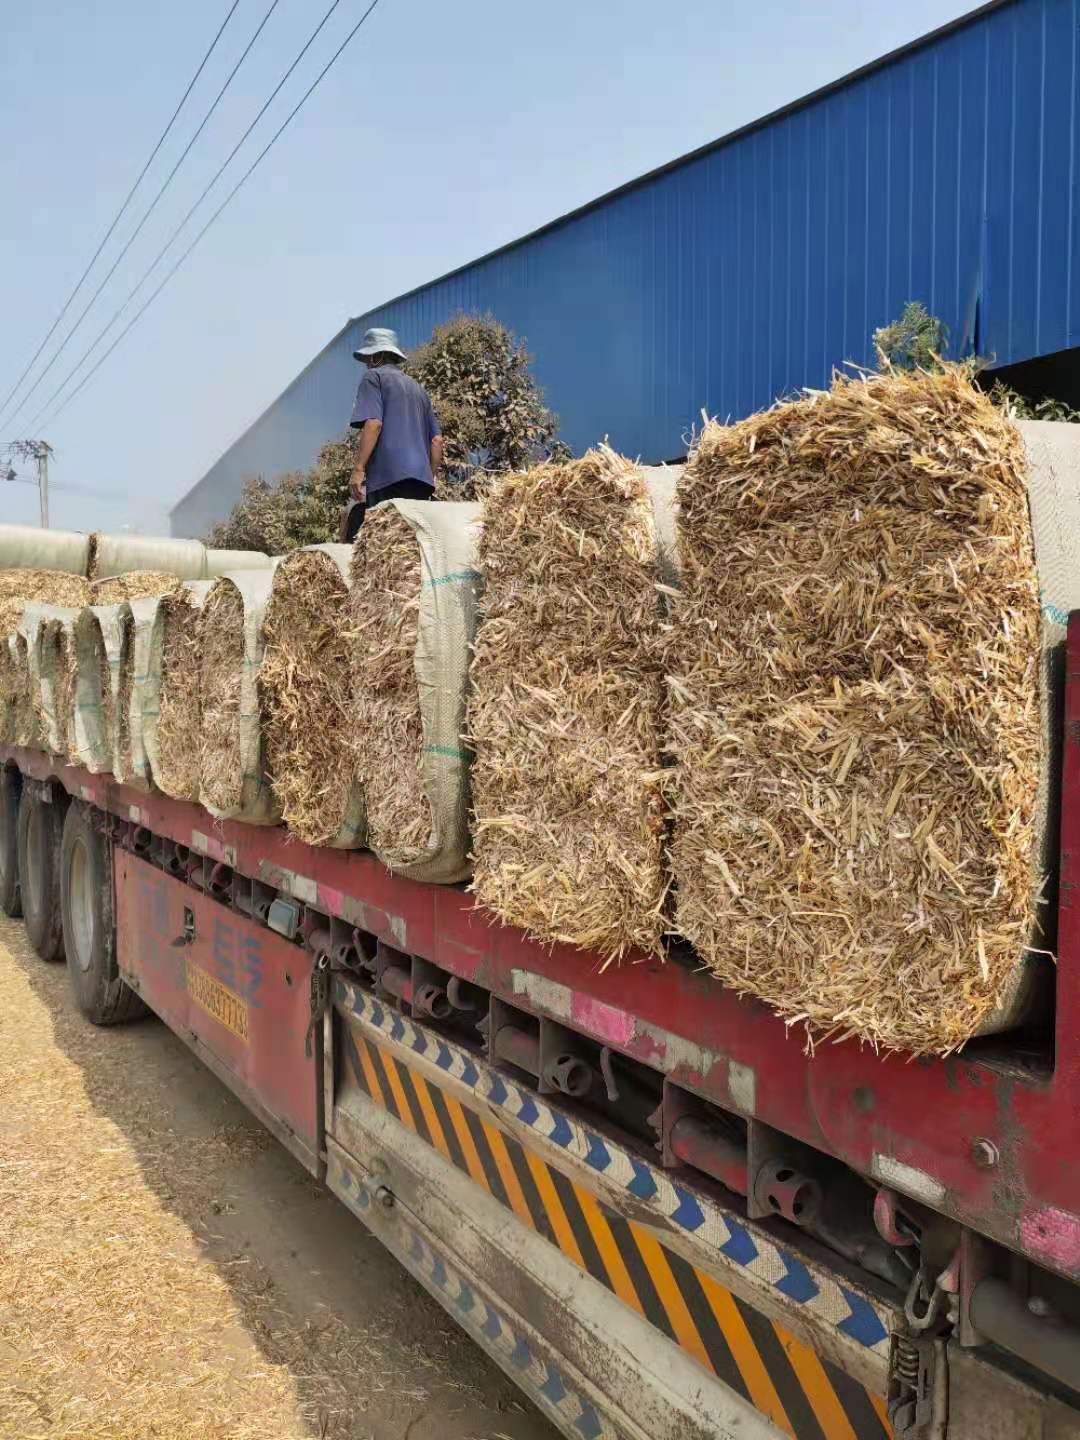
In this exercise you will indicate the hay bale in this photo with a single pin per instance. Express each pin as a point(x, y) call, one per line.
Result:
point(47, 629)
point(565, 714)
point(415, 580)
point(135, 585)
point(28, 547)
point(96, 635)
point(180, 711)
point(224, 562)
point(305, 689)
point(233, 779)
point(23, 724)
point(129, 759)
point(50, 587)
point(854, 709)
point(119, 554)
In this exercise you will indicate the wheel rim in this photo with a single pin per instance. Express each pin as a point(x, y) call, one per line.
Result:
point(34, 858)
point(81, 904)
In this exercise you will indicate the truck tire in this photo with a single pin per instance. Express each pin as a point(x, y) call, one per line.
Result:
point(40, 826)
point(10, 899)
point(86, 902)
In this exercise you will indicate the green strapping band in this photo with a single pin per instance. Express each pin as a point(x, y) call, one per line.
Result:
point(446, 750)
point(454, 578)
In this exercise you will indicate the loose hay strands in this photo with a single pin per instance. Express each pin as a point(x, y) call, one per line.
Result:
point(24, 723)
point(56, 693)
point(389, 730)
point(135, 585)
point(565, 713)
point(854, 708)
point(221, 659)
point(180, 707)
point(305, 686)
point(52, 587)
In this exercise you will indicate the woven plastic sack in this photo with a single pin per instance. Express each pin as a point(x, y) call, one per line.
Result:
point(117, 554)
point(24, 726)
point(26, 547)
point(97, 637)
point(48, 633)
point(224, 562)
point(447, 535)
point(251, 798)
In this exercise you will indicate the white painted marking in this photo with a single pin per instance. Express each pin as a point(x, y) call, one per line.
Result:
point(134, 813)
point(303, 888)
point(742, 1086)
point(549, 995)
point(199, 842)
point(908, 1179)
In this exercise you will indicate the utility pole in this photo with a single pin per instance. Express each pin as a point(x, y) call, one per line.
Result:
point(39, 451)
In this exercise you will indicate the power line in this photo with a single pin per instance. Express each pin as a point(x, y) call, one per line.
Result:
point(146, 216)
point(127, 201)
point(183, 223)
point(228, 198)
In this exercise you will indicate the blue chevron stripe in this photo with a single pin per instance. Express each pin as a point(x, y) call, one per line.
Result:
point(553, 1387)
point(560, 1131)
point(528, 1114)
point(796, 1284)
point(689, 1214)
point(863, 1323)
point(598, 1156)
point(643, 1185)
point(739, 1246)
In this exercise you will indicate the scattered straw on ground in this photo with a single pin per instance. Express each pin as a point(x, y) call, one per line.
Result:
point(565, 712)
point(180, 710)
point(855, 716)
point(305, 692)
point(221, 646)
point(135, 585)
point(389, 732)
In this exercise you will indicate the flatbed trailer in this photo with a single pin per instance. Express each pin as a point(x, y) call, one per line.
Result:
point(642, 1195)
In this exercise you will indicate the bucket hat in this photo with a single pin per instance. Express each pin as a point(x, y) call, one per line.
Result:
point(379, 342)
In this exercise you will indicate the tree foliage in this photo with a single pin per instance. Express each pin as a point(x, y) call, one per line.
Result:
point(493, 418)
point(915, 341)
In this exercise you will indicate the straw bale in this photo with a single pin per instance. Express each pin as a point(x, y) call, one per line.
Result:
point(413, 608)
point(180, 708)
point(565, 714)
point(27, 547)
point(854, 709)
point(233, 779)
point(121, 554)
point(135, 585)
point(24, 725)
point(51, 587)
point(125, 686)
point(56, 693)
point(305, 685)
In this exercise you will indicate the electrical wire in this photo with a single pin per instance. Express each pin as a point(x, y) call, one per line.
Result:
point(183, 223)
point(134, 235)
point(228, 198)
point(119, 214)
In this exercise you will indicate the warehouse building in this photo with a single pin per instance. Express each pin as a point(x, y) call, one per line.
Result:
point(944, 172)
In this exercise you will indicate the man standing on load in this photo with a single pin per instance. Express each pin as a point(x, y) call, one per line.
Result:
point(400, 453)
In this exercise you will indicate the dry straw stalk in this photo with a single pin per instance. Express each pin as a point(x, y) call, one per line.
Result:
point(221, 660)
point(388, 726)
point(305, 684)
point(135, 585)
point(854, 710)
point(179, 725)
point(565, 714)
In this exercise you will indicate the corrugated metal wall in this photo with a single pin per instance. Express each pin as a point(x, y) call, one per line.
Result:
point(947, 174)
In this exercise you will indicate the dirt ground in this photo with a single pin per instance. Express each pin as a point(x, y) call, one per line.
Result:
point(168, 1270)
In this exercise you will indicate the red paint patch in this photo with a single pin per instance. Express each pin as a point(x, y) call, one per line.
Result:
point(610, 1024)
point(1052, 1234)
point(331, 900)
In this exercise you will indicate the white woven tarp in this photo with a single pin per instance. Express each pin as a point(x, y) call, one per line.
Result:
point(26, 547)
point(117, 554)
point(224, 562)
point(41, 625)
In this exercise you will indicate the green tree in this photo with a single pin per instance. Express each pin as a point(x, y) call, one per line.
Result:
point(493, 418)
point(916, 341)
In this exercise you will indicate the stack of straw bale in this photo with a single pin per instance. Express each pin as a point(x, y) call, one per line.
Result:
point(566, 710)
point(179, 721)
point(413, 614)
point(854, 714)
point(234, 781)
point(50, 587)
point(110, 555)
point(96, 634)
point(305, 688)
point(134, 585)
point(28, 547)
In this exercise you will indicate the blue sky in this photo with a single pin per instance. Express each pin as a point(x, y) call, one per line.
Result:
point(444, 131)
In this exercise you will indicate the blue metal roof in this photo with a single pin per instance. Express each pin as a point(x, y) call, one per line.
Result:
point(945, 172)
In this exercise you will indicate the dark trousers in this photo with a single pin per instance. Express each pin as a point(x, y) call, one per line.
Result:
point(400, 490)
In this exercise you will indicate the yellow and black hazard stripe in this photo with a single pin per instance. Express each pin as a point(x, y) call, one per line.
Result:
point(804, 1395)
